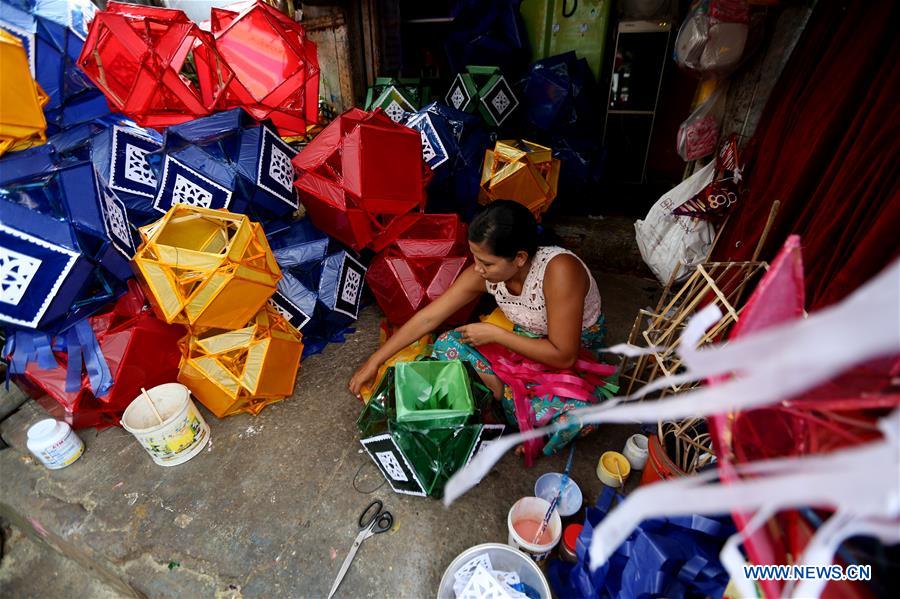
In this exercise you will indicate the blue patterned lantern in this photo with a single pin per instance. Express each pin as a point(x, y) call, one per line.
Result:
point(320, 291)
point(53, 33)
point(453, 145)
point(119, 154)
point(226, 160)
point(65, 245)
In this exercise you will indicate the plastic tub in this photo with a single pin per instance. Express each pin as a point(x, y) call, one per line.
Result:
point(571, 499)
point(503, 557)
point(613, 469)
point(182, 434)
point(534, 509)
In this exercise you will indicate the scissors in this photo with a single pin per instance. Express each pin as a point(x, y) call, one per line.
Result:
point(378, 522)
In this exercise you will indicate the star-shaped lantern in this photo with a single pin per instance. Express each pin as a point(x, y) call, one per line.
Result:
point(484, 89)
point(154, 64)
point(206, 268)
point(276, 69)
point(22, 122)
point(521, 171)
point(243, 370)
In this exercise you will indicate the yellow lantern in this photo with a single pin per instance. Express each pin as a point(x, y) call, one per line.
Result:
point(206, 268)
point(22, 122)
point(521, 171)
point(410, 353)
point(243, 370)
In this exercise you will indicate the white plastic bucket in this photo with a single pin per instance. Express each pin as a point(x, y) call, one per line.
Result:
point(183, 432)
point(533, 508)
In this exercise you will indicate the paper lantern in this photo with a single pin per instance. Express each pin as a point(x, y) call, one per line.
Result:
point(419, 455)
point(321, 290)
point(359, 176)
point(64, 241)
point(421, 348)
point(229, 161)
point(521, 171)
point(483, 89)
point(453, 146)
point(559, 97)
point(124, 332)
point(243, 370)
point(397, 97)
point(276, 71)
point(154, 64)
point(22, 122)
point(419, 267)
point(53, 33)
point(206, 268)
point(486, 32)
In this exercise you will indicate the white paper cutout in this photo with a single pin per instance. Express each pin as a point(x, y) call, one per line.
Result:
point(483, 585)
point(281, 169)
point(391, 466)
point(17, 270)
point(137, 168)
point(462, 576)
point(351, 286)
point(185, 191)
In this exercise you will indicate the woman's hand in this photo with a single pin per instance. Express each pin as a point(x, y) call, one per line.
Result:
point(479, 333)
point(363, 375)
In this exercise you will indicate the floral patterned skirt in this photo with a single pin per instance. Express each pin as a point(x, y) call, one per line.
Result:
point(547, 408)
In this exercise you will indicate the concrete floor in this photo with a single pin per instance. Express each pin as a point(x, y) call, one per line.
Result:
point(269, 509)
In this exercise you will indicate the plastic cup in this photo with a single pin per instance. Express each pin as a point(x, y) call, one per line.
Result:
point(570, 501)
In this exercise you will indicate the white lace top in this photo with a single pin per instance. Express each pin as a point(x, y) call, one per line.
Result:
point(529, 310)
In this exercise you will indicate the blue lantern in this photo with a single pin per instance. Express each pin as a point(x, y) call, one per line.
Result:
point(320, 291)
point(226, 160)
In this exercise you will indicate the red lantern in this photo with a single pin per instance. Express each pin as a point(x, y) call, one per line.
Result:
point(276, 69)
point(361, 177)
point(140, 350)
point(419, 266)
point(154, 64)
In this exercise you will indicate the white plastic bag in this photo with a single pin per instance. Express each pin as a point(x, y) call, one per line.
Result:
point(669, 242)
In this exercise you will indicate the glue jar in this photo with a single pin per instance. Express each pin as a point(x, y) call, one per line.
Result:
point(54, 443)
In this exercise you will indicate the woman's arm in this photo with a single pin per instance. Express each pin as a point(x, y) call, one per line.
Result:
point(467, 287)
point(565, 286)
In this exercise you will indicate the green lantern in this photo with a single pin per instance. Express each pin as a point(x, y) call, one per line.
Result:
point(426, 421)
point(484, 89)
point(397, 96)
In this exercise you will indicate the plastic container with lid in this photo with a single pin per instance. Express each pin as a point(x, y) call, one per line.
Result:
point(570, 541)
point(54, 443)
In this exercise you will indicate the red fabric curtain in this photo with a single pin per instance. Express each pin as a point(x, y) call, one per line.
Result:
point(827, 148)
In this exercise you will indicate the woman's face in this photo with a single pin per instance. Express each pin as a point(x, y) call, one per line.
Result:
point(495, 269)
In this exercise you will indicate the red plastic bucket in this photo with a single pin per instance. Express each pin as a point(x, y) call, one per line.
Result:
point(659, 466)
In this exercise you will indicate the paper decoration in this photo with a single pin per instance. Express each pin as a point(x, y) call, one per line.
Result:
point(418, 455)
point(245, 369)
point(226, 160)
point(453, 145)
point(206, 268)
point(120, 154)
point(159, 79)
point(123, 332)
point(275, 65)
point(483, 89)
point(393, 465)
point(486, 32)
point(397, 97)
point(521, 171)
point(320, 292)
point(419, 267)
point(22, 122)
point(53, 33)
point(360, 176)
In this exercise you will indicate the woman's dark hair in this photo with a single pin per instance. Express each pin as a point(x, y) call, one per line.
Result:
point(505, 228)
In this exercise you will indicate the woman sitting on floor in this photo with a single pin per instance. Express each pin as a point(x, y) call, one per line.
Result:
point(546, 292)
